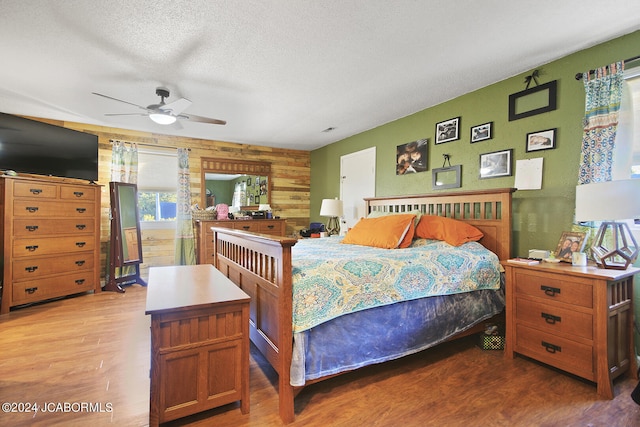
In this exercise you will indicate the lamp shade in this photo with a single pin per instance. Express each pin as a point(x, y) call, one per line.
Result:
point(331, 207)
point(608, 201)
point(264, 207)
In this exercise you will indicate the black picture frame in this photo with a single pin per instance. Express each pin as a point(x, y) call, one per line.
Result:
point(449, 177)
point(496, 164)
point(481, 132)
point(249, 182)
point(541, 140)
point(547, 90)
point(448, 130)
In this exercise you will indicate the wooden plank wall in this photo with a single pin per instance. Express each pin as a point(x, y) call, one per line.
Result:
point(290, 173)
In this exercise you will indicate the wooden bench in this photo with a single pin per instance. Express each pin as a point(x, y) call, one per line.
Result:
point(199, 341)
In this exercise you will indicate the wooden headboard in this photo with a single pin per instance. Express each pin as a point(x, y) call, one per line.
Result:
point(488, 210)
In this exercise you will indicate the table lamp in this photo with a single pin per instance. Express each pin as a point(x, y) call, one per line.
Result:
point(266, 209)
point(607, 202)
point(333, 209)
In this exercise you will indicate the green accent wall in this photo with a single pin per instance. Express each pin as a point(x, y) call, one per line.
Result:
point(540, 216)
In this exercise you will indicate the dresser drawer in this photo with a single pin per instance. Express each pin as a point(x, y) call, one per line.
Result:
point(270, 227)
point(554, 319)
point(43, 227)
point(52, 287)
point(72, 192)
point(247, 226)
point(52, 245)
point(45, 208)
point(554, 288)
point(562, 353)
point(36, 190)
point(32, 268)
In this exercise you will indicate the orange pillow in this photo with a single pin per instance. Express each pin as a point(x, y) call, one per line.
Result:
point(450, 230)
point(388, 232)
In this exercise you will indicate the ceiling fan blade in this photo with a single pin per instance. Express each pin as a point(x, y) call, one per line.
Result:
point(176, 107)
point(126, 114)
point(119, 100)
point(201, 119)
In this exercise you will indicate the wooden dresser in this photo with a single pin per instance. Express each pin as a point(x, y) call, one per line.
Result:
point(199, 342)
point(578, 319)
point(204, 235)
point(51, 238)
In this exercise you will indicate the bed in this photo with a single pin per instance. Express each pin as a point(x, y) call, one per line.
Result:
point(265, 266)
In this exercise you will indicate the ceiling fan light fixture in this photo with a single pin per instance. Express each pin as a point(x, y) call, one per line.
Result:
point(162, 118)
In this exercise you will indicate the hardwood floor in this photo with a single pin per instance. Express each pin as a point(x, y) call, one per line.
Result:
point(95, 349)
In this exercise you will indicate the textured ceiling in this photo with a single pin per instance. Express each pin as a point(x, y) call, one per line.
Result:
point(280, 71)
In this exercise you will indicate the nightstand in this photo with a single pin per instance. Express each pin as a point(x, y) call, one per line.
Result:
point(577, 319)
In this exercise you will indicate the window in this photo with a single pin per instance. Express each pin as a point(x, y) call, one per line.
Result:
point(627, 151)
point(157, 188)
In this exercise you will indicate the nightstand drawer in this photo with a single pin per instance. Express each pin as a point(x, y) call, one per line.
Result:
point(554, 319)
point(554, 288)
point(562, 353)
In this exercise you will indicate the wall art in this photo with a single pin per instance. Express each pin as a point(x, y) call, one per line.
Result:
point(482, 132)
point(495, 164)
point(411, 157)
point(448, 130)
point(541, 140)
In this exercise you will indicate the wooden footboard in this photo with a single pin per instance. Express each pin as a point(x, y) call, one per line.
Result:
point(261, 265)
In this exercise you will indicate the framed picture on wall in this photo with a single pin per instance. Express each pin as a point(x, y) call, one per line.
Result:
point(496, 164)
point(448, 130)
point(541, 140)
point(411, 157)
point(482, 132)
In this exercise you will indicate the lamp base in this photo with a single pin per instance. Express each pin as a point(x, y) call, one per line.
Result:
point(333, 226)
point(622, 254)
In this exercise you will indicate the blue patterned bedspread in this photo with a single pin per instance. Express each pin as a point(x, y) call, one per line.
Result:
point(331, 279)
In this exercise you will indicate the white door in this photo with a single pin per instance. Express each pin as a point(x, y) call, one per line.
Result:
point(357, 181)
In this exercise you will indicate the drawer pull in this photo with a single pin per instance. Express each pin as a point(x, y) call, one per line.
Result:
point(31, 209)
point(80, 263)
point(271, 227)
point(31, 227)
point(31, 269)
point(81, 210)
point(551, 348)
point(548, 290)
point(80, 244)
point(31, 290)
point(31, 248)
point(246, 227)
point(550, 318)
point(79, 281)
point(35, 190)
point(78, 193)
point(81, 226)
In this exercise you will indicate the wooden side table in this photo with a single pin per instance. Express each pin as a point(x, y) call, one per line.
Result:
point(199, 341)
point(578, 319)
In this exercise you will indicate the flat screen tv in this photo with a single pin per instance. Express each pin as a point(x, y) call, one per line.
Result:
point(30, 146)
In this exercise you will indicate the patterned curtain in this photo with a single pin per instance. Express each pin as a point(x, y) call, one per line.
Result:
point(124, 162)
point(603, 94)
point(185, 242)
point(124, 168)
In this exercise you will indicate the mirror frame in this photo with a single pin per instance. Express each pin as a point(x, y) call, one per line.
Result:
point(234, 167)
point(123, 195)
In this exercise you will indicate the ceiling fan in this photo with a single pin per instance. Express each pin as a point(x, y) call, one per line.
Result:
point(165, 114)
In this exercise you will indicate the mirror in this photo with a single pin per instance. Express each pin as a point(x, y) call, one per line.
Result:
point(241, 183)
point(126, 242)
point(446, 177)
